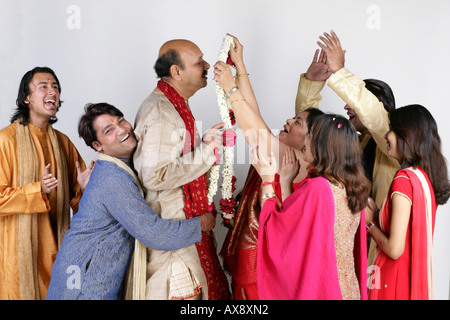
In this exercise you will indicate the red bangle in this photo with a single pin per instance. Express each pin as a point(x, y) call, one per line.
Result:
point(370, 225)
point(267, 183)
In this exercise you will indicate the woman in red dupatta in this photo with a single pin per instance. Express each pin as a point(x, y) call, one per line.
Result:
point(404, 264)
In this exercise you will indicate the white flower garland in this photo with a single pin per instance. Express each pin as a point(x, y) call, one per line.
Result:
point(228, 151)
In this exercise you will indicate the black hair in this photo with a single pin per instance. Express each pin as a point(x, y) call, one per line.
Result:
point(419, 145)
point(23, 109)
point(384, 94)
point(313, 113)
point(91, 112)
point(382, 91)
point(165, 61)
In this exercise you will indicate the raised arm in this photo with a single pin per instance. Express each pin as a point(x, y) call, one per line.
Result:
point(256, 131)
point(352, 90)
point(311, 83)
point(242, 76)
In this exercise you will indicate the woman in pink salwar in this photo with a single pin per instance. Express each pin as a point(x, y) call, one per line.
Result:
point(403, 266)
point(313, 245)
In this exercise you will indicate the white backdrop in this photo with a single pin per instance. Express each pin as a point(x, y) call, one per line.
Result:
point(104, 50)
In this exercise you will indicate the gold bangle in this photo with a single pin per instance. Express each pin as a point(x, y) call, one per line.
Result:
point(242, 75)
point(268, 195)
point(271, 195)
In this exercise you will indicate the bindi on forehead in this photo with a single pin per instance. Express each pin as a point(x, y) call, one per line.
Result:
point(39, 79)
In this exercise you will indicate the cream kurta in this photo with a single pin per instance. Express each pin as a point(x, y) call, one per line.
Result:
point(29, 199)
point(375, 118)
point(372, 114)
point(163, 171)
point(308, 94)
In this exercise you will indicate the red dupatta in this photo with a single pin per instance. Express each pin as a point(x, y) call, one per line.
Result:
point(422, 219)
point(196, 202)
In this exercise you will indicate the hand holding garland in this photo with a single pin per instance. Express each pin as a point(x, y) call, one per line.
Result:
point(227, 202)
point(256, 131)
point(242, 79)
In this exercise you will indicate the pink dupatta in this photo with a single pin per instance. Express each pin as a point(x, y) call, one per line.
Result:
point(296, 251)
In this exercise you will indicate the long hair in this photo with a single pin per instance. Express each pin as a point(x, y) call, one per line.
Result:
point(86, 129)
point(23, 109)
point(337, 157)
point(419, 145)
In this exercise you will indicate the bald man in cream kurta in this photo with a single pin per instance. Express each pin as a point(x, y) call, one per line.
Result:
point(163, 170)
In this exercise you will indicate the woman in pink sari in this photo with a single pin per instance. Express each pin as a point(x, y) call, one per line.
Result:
point(312, 246)
point(404, 230)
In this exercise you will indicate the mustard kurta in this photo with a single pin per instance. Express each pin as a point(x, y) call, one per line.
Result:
point(29, 199)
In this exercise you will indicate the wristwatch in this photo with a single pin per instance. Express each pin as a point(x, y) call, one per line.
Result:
point(370, 225)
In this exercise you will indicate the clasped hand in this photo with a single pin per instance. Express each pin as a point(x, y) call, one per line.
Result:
point(335, 56)
point(266, 168)
point(290, 167)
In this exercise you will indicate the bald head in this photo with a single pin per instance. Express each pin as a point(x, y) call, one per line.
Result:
point(171, 53)
point(177, 44)
point(180, 63)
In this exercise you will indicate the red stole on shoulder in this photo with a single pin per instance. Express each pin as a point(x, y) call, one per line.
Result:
point(423, 215)
point(196, 201)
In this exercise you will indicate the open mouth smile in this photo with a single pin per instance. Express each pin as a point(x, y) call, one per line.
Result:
point(50, 103)
point(125, 138)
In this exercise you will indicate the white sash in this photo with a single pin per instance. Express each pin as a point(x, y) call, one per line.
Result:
point(136, 278)
point(429, 219)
